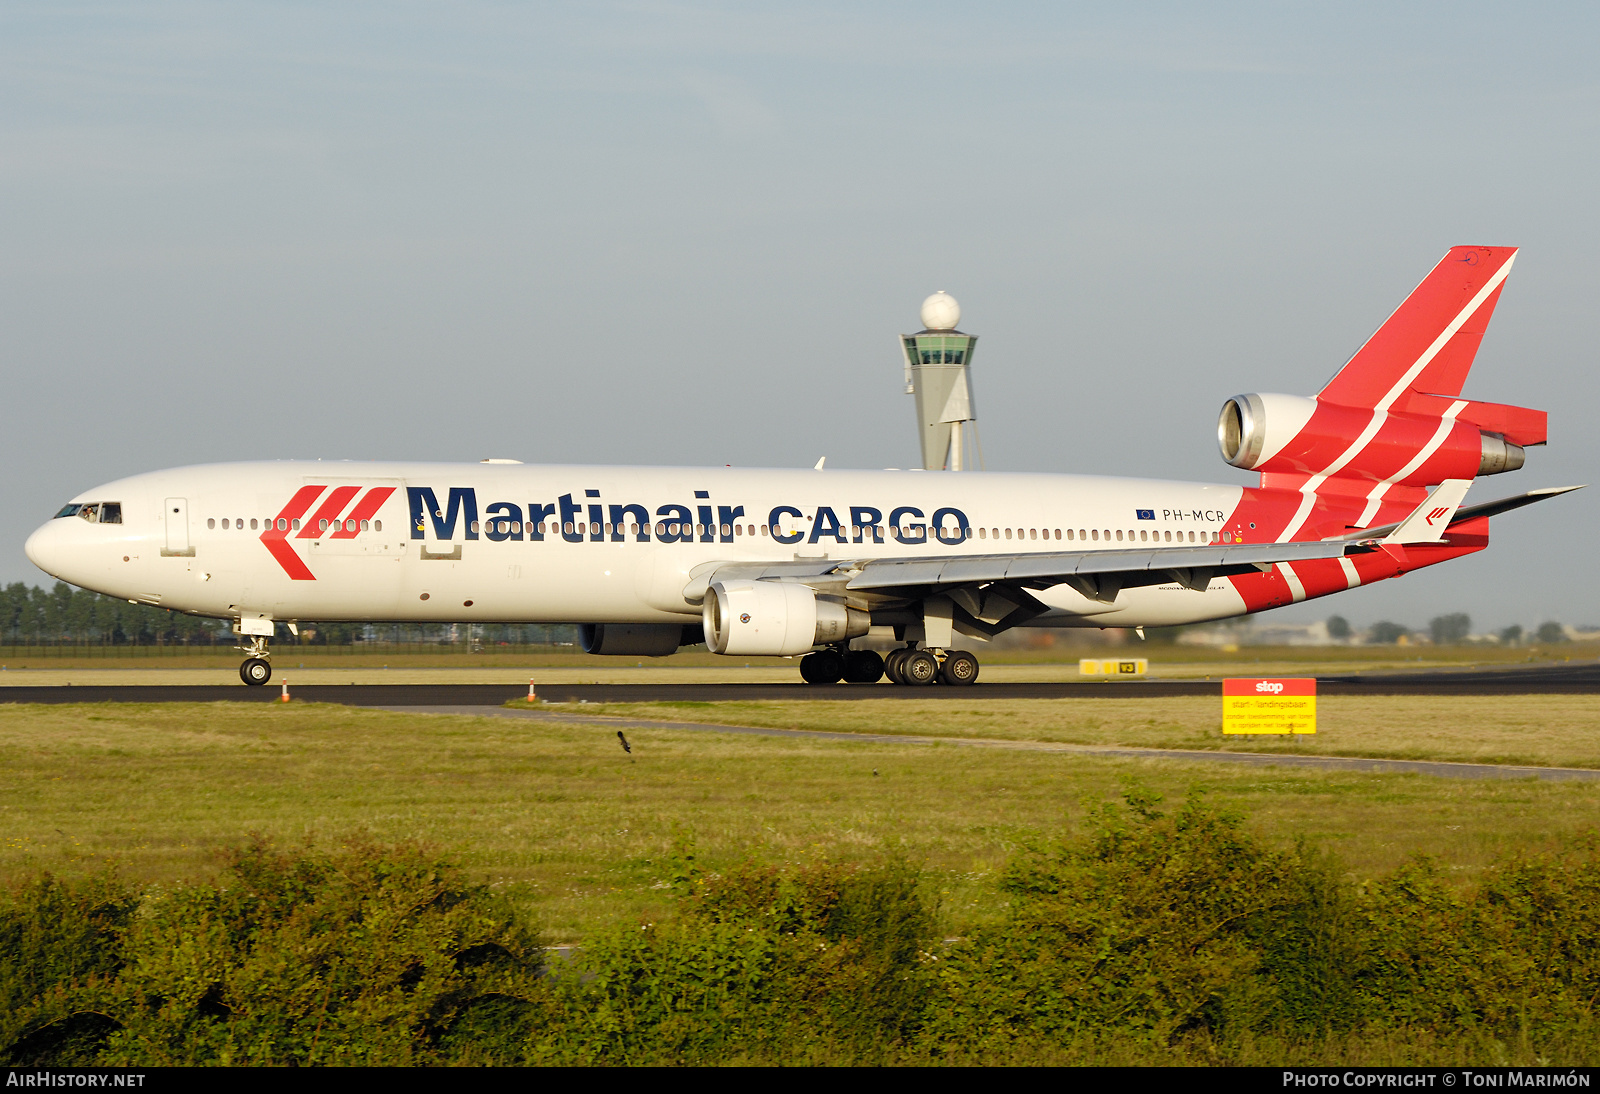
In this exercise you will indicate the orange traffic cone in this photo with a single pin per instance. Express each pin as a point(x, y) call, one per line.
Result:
point(284, 698)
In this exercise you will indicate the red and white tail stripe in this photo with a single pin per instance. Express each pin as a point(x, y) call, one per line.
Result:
point(1424, 349)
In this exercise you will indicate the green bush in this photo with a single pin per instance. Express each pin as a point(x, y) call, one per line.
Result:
point(825, 963)
point(1158, 937)
point(61, 948)
point(1520, 954)
point(359, 955)
point(1152, 927)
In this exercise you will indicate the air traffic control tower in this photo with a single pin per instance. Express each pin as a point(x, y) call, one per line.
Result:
point(937, 359)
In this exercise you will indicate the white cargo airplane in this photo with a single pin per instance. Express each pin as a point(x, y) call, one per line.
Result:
point(1363, 482)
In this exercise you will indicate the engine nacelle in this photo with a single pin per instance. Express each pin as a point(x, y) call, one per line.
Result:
point(1254, 428)
point(775, 618)
point(636, 639)
point(1292, 434)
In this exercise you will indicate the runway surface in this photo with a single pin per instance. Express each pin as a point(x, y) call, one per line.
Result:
point(641, 727)
point(1577, 679)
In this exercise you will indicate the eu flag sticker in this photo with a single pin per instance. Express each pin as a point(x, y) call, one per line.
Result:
point(1146, 514)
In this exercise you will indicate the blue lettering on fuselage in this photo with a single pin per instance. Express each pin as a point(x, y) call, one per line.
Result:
point(424, 504)
point(594, 522)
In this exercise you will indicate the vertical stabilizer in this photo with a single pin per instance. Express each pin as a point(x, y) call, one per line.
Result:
point(1429, 342)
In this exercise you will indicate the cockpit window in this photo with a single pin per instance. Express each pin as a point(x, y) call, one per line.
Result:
point(103, 512)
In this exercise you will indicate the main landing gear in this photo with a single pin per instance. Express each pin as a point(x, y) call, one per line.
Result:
point(829, 666)
point(257, 668)
point(907, 665)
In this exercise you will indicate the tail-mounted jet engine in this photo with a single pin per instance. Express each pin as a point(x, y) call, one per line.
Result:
point(636, 639)
point(1292, 434)
point(746, 618)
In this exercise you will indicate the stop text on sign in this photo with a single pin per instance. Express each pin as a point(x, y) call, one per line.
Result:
point(1269, 706)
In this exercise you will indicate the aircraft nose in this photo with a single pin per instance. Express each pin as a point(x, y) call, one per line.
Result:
point(44, 548)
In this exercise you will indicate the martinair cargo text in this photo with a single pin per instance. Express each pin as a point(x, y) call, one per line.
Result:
point(1362, 482)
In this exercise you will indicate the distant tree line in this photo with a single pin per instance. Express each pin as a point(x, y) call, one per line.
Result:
point(65, 615)
point(1443, 630)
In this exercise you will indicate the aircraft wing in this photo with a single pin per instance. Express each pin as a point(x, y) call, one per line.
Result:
point(1099, 575)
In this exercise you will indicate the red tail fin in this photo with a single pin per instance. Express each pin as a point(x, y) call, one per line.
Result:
point(1429, 342)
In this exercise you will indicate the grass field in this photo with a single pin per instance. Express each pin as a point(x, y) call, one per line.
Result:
point(1548, 730)
point(582, 835)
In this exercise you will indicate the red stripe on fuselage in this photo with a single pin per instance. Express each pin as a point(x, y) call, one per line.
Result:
point(274, 539)
point(368, 505)
point(330, 508)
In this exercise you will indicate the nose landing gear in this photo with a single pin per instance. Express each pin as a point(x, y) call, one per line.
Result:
point(257, 668)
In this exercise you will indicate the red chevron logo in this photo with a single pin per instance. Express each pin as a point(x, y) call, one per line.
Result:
point(326, 520)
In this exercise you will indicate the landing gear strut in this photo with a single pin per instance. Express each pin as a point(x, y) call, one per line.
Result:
point(257, 668)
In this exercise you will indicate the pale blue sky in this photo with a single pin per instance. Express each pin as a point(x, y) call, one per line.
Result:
point(681, 233)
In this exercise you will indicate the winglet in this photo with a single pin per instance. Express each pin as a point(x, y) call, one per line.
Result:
point(1428, 521)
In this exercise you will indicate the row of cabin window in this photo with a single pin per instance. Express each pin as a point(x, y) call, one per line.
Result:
point(1142, 536)
point(595, 529)
point(287, 525)
point(515, 527)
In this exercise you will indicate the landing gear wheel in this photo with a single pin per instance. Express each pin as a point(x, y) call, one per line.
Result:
point(255, 671)
point(959, 667)
point(892, 663)
point(863, 667)
point(919, 667)
point(822, 667)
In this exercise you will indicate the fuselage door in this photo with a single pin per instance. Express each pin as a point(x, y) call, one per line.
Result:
point(177, 512)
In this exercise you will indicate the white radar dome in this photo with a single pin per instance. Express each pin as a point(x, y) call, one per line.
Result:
point(941, 312)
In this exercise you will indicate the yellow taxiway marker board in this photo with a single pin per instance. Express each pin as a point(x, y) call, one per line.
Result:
point(1269, 706)
point(1126, 666)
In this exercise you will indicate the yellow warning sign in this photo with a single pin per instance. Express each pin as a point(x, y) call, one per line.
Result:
point(1269, 706)
point(1127, 666)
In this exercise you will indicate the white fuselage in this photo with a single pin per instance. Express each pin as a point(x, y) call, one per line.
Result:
point(423, 542)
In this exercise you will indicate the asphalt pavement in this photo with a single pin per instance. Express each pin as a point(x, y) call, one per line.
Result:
point(1570, 679)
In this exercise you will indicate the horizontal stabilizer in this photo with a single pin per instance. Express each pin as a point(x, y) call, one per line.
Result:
point(1469, 512)
point(1505, 505)
point(1428, 521)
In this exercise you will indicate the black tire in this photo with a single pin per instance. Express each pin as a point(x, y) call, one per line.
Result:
point(920, 667)
point(959, 667)
point(255, 672)
point(822, 667)
point(891, 665)
point(863, 667)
